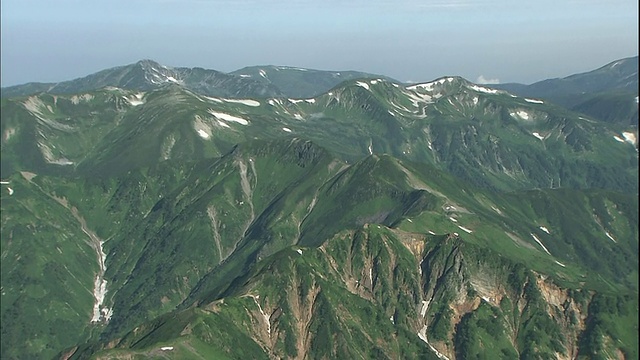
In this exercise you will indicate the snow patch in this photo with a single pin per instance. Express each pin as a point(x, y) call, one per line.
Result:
point(537, 135)
point(262, 73)
point(247, 102)
point(286, 129)
point(299, 251)
point(422, 334)
point(362, 84)
point(203, 134)
point(561, 264)
point(534, 101)
point(227, 117)
point(540, 243)
point(618, 138)
point(521, 114)
point(610, 237)
point(629, 137)
point(223, 124)
point(267, 318)
point(453, 219)
point(10, 191)
point(425, 306)
point(483, 89)
point(166, 348)
point(100, 286)
point(135, 100)
point(465, 229)
point(201, 127)
point(544, 229)
point(213, 99)
point(75, 99)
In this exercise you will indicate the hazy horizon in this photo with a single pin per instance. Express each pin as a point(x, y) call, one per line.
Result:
point(411, 41)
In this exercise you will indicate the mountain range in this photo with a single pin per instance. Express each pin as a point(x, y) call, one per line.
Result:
point(280, 212)
point(606, 93)
point(257, 81)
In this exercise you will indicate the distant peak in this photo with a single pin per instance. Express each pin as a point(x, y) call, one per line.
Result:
point(440, 82)
point(147, 65)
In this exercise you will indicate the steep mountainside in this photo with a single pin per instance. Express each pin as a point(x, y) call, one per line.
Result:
point(279, 235)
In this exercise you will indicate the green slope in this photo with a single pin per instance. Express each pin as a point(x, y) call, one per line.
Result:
point(374, 220)
point(178, 235)
point(489, 138)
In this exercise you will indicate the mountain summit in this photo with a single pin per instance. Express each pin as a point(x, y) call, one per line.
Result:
point(260, 82)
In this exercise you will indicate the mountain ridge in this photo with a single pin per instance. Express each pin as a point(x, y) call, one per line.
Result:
point(374, 220)
point(147, 74)
point(594, 93)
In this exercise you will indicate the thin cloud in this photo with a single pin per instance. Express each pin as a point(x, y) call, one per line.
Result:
point(482, 80)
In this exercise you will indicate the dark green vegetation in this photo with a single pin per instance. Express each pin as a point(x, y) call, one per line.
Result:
point(371, 221)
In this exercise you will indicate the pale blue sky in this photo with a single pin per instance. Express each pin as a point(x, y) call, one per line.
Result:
point(410, 40)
